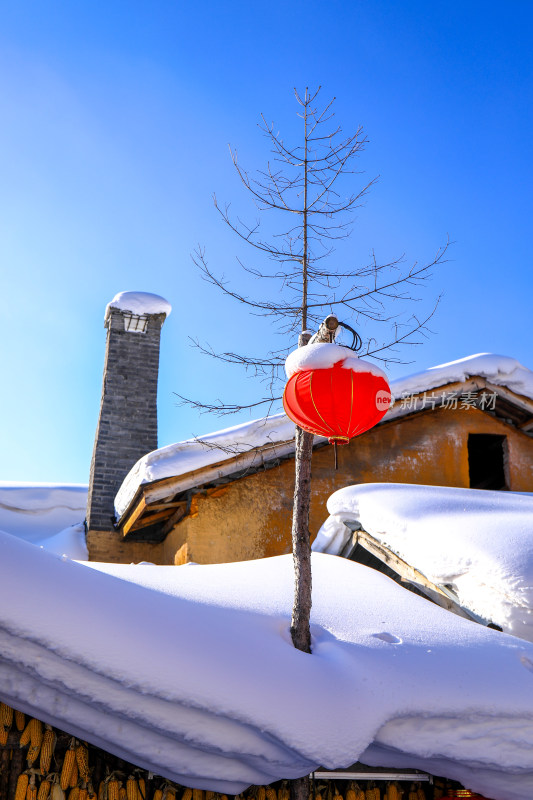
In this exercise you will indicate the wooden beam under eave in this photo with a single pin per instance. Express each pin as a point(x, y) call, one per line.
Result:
point(409, 574)
point(149, 519)
point(134, 516)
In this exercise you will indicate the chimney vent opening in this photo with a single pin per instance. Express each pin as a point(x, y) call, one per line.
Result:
point(135, 323)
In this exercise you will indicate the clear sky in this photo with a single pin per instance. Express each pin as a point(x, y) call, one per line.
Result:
point(114, 124)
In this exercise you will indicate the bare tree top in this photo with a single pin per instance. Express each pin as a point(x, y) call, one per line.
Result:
point(308, 191)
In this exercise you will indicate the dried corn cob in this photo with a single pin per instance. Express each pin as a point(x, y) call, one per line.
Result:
point(113, 787)
point(170, 793)
point(158, 794)
point(420, 793)
point(122, 794)
point(83, 795)
point(36, 732)
point(131, 788)
point(20, 720)
point(68, 764)
point(25, 736)
point(74, 793)
point(31, 791)
point(198, 794)
point(74, 775)
point(33, 753)
point(47, 749)
point(393, 792)
point(82, 760)
point(4, 733)
point(22, 785)
point(6, 716)
point(187, 794)
point(261, 793)
point(101, 790)
point(35, 729)
point(142, 789)
point(44, 790)
point(350, 792)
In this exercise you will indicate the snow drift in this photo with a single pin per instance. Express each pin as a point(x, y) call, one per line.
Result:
point(478, 542)
point(49, 515)
point(190, 671)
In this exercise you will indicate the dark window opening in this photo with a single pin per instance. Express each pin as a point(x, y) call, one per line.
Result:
point(486, 461)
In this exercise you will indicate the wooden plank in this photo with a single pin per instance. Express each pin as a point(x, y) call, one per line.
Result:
point(163, 506)
point(174, 519)
point(518, 400)
point(407, 573)
point(134, 516)
point(149, 519)
point(527, 425)
point(368, 774)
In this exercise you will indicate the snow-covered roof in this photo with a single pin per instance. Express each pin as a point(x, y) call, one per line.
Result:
point(498, 370)
point(140, 303)
point(190, 672)
point(480, 543)
point(49, 515)
point(194, 454)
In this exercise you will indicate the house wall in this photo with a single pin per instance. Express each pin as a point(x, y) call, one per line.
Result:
point(251, 517)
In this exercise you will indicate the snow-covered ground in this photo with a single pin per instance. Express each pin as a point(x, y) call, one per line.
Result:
point(190, 671)
point(479, 542)
point(193, 454)
point(49, 515)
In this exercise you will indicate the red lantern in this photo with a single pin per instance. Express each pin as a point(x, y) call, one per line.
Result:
point(332, 393)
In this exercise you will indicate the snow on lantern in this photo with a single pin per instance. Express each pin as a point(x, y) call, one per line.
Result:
point(331, 392)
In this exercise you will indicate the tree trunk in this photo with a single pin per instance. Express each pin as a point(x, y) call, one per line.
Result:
point(301, 548)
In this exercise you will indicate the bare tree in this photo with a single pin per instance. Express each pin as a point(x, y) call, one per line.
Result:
point(305, 184)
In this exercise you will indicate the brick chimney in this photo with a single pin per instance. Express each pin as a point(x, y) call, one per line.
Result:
point(127, 425)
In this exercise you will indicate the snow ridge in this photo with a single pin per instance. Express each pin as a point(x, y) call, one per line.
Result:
point(191, 672)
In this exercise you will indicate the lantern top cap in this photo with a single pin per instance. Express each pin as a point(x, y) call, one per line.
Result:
point(324, 356)
point(140, 303)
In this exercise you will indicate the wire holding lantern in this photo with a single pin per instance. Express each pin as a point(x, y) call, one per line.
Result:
point(331, 392)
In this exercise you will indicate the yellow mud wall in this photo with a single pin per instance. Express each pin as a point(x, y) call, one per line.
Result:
point(251, 517)
point(110, 546)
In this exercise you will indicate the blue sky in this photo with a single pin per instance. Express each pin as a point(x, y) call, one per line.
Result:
point(115, 121)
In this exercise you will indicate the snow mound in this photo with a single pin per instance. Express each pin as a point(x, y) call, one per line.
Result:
point(191, 672)
point(478, 542)
point(36, 512)
point(325, 355)
point(140, 303)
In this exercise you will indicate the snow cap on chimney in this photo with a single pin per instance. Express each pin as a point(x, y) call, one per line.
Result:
point(139, 303)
